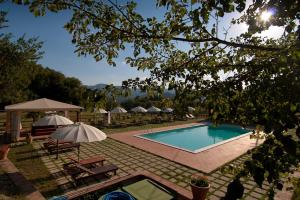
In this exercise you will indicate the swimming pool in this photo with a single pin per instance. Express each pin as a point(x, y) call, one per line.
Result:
point(197, 138)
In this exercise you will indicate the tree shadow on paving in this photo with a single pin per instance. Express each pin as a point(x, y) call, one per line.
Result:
point(59, 174)
point(42, 180)
point(67, 187)
point(55, 192)
point(7, 188)
point(25, 152)
point(47, 190)
point(31, 157)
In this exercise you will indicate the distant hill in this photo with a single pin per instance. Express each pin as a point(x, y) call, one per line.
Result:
point(99, 86)
point(135, 93)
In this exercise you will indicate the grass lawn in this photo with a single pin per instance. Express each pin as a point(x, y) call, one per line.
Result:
point(31, 166)
point(147, 126)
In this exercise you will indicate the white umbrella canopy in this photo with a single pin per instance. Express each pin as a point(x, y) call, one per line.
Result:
point(102, 111)
point(191, 109)
point(78, 132)
point(168, 110)
point(154, 109)
point(55, 120)
point(50, 112)
point(118, 110)
point(139, 109)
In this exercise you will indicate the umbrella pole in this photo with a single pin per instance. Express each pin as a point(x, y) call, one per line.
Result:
point(78, 152)
point(57, 149)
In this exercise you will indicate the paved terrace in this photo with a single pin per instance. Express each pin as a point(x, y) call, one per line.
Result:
point(205, 161)
point(130, 159)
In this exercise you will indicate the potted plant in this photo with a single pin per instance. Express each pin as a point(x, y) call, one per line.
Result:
point(200, 186)
point(4, 149)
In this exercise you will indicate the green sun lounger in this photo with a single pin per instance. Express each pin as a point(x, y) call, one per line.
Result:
point(147, 190)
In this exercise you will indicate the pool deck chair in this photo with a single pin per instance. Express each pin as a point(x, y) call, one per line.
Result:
point(79, 172)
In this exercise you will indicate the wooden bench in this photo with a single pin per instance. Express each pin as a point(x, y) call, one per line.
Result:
point(60, 147)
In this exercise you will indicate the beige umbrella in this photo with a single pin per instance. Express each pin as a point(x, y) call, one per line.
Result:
point(138, 109)
point(78, 132)
point(154, 109)
point(55, 120)
point(50, 112)
point(168, 110)
point(191, 109)
point(118, 110)
point(102, 111)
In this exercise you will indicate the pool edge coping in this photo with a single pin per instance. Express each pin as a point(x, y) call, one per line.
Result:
point(189, 151)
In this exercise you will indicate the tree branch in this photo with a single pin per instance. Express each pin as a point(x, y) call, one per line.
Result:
point(195, 40)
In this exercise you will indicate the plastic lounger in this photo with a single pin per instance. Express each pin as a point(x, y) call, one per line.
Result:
point(147, 190)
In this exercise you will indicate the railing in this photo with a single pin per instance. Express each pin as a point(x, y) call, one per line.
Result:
point(97, 119)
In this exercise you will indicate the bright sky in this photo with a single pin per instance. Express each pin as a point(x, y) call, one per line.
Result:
point(59, 51)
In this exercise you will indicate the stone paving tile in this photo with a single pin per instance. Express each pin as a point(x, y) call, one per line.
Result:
point(259, 190)
point(250, 198)
point(130, 159)
point(219, 193)
point(213, 197)
point(256, 195)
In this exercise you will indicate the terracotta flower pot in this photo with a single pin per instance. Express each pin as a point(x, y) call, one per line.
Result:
point(4, 149)
point(199, 193)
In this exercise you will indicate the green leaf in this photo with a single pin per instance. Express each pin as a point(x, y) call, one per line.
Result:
point(213, 31)
point(204, 14)
point(194, 1)
point(293, 107)
point(36, 12)
point(235, 190)
point(241, 7)
point(258, 175)
point(220, 13)
point(289, 145)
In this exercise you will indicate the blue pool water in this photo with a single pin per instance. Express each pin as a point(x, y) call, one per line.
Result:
point(196, 137)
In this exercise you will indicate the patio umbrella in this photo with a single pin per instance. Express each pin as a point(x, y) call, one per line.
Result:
point(118, 110)
point(102, 111)
point(78, 132)
point(154, 109)
point(191, 109)
point(138, 109)
point(168, 110)
point(50, 112)
point(55, 120)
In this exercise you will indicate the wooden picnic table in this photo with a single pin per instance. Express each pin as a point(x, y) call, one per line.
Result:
point(88, 161)
point(92, 160)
